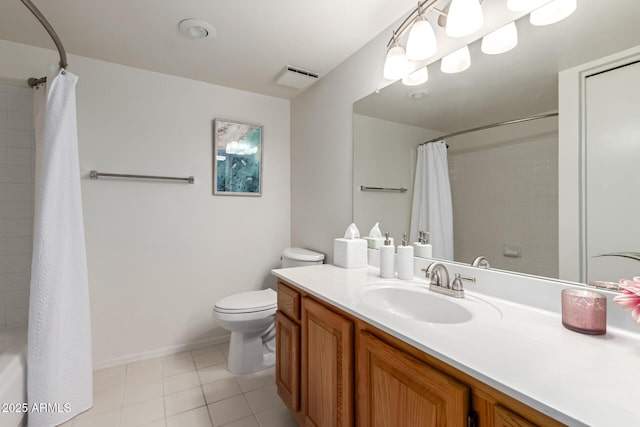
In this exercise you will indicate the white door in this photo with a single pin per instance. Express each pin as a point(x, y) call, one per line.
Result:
point(612, 172)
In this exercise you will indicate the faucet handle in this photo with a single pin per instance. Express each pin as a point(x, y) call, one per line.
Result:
point(428, 273)
point(456, 285)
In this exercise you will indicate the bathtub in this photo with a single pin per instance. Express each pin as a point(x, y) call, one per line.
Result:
point(13, 375)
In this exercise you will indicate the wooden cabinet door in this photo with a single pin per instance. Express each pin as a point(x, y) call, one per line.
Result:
point(395, 389)
point(287, 361)
point(327, 367)
point(502, 417)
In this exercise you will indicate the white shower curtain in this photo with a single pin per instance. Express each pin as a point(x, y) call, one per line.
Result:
point(59, 367)
point(431, 209)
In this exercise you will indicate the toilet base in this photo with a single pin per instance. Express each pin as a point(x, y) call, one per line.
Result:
point(247, 353)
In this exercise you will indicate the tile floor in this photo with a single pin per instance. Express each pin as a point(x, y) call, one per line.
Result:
point(188, 389)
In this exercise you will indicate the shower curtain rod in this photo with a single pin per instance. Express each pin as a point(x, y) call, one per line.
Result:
point(33, 82)
point(494, 125)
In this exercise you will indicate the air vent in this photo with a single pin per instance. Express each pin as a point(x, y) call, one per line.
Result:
point(297, 78)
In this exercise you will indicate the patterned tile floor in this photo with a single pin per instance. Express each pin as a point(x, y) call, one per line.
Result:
point(188, 389)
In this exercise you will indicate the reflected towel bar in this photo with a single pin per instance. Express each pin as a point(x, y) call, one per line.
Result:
point(386, 189)
point(94, 174)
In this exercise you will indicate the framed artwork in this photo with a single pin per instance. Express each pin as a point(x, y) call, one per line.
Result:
point(237, 158)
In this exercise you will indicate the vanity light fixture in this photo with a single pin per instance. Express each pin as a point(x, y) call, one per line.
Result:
point(418, 77)
point(464, 18)
point(456, 61)
point(501, 40)
point(421, 43)
point(396, 64)
point(552, 12)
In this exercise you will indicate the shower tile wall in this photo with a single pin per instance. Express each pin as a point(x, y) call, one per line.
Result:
point(508, 195)
point(16, 202)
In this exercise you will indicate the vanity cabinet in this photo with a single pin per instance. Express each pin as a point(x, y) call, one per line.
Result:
point(314, 361)
point(503, 417)
point(396, 389)
point(288, 361)
point(333, 369)
point(288, 348)
point(327, 367)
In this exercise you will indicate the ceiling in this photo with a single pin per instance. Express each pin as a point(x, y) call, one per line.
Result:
point(516, 84)
point(255, 39)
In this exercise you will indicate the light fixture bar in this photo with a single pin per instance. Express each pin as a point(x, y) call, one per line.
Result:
point(438, 11)
point(425, 6)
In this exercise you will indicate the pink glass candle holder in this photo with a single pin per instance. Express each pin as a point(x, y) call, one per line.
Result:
point(584, 311)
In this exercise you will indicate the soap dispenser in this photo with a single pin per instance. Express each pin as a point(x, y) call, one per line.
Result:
point(387, 258)
point(405, 260)
point(428, 249)
point(422, 248)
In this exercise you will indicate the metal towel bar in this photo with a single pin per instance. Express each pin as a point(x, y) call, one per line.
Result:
point(94, 174)
point(387, 189)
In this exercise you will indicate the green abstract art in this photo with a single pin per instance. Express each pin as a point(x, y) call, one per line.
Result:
point(237, 151)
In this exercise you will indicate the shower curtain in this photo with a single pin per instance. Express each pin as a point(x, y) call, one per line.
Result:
point(431, 209)
point(59, 367)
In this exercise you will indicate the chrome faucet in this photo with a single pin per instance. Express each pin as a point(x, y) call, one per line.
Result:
point(437, 274)
point(438, 277)
point(481, 262)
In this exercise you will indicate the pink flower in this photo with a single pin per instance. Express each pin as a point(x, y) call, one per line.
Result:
point(630, 297)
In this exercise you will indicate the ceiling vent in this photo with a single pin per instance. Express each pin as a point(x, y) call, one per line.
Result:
point(296, 77)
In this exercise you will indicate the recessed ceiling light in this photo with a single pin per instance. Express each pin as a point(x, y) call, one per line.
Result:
point(196, 29)
point(416, 78)
point(418, 94)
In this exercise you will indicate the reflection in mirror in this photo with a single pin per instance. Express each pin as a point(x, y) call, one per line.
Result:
point(504, 180)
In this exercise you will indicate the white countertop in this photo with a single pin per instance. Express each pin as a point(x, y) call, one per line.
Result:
point(526, 353)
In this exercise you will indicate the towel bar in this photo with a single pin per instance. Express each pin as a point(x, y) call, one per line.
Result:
point(386, 189)
point(94, 174)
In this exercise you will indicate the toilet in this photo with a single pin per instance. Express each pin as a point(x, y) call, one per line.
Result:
point(250, 316)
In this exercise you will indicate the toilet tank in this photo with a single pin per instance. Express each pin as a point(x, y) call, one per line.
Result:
point(298, 257)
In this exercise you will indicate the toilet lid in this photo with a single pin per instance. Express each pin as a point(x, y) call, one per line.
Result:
point(246, 302)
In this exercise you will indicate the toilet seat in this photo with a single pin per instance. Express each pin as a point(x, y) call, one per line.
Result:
point(244, 317)
point(248, 302)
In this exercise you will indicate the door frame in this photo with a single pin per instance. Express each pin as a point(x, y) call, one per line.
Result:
point(572, 262)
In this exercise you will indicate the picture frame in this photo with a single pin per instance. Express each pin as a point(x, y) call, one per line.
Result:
point(237, 158)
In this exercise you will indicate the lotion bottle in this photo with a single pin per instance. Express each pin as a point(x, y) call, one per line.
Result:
point(387, 259)
point(405, 260)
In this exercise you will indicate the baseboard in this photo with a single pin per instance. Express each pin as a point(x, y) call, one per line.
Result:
point(160, 352)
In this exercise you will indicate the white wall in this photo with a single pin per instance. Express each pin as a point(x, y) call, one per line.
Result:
point(161, 254)
point(385, 156)
point(16, 202)
point(504, 185)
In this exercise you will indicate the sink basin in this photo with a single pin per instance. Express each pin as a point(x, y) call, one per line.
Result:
point(418, 303)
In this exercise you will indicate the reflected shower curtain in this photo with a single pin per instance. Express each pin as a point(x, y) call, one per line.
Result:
point(59, 367)
point(431, 209)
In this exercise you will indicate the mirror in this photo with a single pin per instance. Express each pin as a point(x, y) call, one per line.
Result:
point(504, 180)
